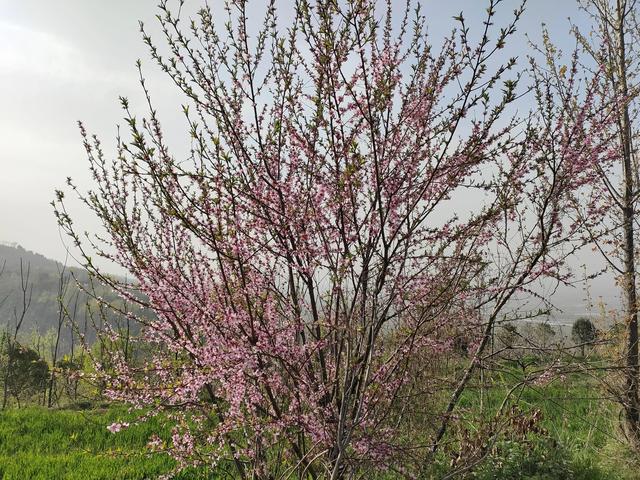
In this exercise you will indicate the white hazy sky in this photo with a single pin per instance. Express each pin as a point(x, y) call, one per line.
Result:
point(68, 60)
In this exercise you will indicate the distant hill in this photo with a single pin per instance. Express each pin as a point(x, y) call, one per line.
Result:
point(42, 315)
point(12, 253)
point(44, 277)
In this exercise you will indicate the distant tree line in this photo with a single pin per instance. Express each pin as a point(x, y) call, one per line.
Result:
point(53, 368)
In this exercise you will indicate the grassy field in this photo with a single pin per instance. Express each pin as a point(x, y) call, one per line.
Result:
point(36, 443)
point(580, 439)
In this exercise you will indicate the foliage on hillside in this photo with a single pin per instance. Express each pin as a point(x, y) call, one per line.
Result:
point(43, 313)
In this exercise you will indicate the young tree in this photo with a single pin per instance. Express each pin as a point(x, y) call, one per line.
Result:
point(27, 375)
point(12, 347)
point(542, 333)
point(352, 196)
point(583, 332)
point(612, 45)
point(63, 285)
point(508, 335)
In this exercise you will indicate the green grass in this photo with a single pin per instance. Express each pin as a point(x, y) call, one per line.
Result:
point(580, 439)
point(581, 436)
point(36, 443)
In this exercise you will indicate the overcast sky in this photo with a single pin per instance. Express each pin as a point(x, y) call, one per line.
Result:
point(68, 60)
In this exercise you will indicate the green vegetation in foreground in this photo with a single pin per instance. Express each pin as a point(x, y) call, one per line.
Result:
point(41, 444)
point(580, 438)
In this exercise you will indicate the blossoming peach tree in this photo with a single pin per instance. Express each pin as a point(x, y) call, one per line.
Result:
point(353, 197)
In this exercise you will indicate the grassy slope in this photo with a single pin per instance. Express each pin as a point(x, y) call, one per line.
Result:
point(47, 444)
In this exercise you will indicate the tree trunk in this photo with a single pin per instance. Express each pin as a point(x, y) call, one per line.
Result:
point(52, 380)
point(632, 408)
point(5, 390)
